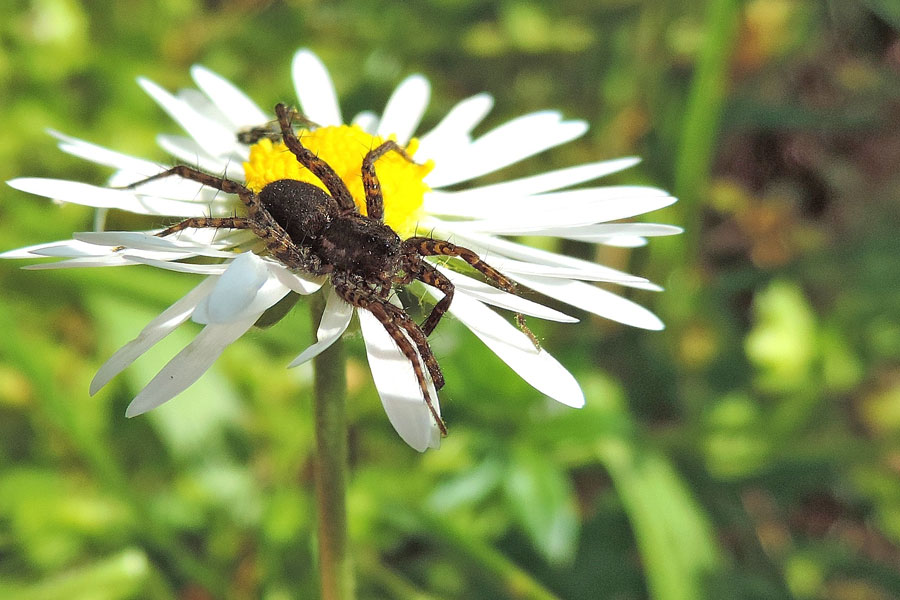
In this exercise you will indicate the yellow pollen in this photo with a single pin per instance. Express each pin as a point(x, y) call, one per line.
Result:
point(343, 147)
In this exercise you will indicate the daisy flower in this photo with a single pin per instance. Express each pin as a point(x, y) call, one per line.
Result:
point(424, 196)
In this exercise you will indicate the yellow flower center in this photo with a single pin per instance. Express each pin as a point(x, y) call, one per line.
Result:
point(344, 147)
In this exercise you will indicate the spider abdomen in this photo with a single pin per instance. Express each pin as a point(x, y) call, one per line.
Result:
point(303, 210)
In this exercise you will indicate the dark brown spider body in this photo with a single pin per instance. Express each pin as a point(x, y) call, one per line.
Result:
point(320, 233)
point(303, 210)
point(361, 246)
point(352, 243)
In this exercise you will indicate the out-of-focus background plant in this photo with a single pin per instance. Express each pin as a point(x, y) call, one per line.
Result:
point(751, 450)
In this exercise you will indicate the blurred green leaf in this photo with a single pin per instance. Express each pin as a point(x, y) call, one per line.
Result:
point(125, 575)
point(887, 10)
point(673, 532)
point(540, 495)
point(471, 486)
point(53, 533)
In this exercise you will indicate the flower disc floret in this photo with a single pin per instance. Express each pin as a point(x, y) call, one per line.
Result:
point(344, 147)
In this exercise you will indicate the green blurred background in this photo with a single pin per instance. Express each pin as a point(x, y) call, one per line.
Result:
point(751, 450)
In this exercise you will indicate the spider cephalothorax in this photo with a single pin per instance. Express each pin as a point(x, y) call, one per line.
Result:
point(322, 233)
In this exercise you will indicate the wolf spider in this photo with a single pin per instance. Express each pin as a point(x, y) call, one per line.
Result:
point(322, 233)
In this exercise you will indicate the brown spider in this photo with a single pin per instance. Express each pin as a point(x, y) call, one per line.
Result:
point(311, 231)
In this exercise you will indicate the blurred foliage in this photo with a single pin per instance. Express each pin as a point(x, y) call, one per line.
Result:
point(752, 450)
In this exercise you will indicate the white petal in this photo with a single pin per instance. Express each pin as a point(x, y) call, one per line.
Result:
point(451, 203)
point(240, 110)
point(593, 299)
point(112, 260)
point(405, 108)
point(202, 105)
point(170, 188)
point(576, 212)
point(302, 283)
point(538, 368)
point(140, 240)
point(335, 320)
point(602, 233)
point(587, 206)
point(649, 286)
point(507, 144)
point(100, 197)
point(454, 130)
point(69, 251)
point(367, 121)
point(490, 324)
point(156, 330)
point(109, 259)
point(398, 388)
point(491, 295)
point(178, 267)
point(105, 156)
point(315, 90)
point(215, 238)
point(189, 364)
point(235, 291)
point(211, 135)
point(77, 249)
point(190, 152)
point(529, 260)
point(619, 241)
point(597, 273)
point(63, 248)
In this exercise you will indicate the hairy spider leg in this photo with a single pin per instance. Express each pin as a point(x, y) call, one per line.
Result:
point(412, 265)
point(374, 197)
point(272, 129)
point(277, 241)
point(207, 222)
point(415, 266)
point(427, 274)
point(430, 247)
point(318, 167)
point(394, 321)
point(219, 183)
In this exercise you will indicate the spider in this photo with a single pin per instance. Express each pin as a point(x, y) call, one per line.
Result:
point(321, 233)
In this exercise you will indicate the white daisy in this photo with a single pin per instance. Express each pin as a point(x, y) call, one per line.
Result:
point(236, 292)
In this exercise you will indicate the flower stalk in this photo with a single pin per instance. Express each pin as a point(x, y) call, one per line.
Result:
point(330, 395)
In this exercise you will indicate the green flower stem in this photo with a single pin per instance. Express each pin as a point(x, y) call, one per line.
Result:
point(335, 568)
point(706, 99)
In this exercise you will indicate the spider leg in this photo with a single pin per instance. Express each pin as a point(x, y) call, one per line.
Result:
point(281, 246)
point(321, 169)
point(277, 241)
point(395, 321)
point(430, 247)
point(427, 274)
point(203, 222)
point(272, 129)
point(419, 337)
point(374, 197)
point(219, 183)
